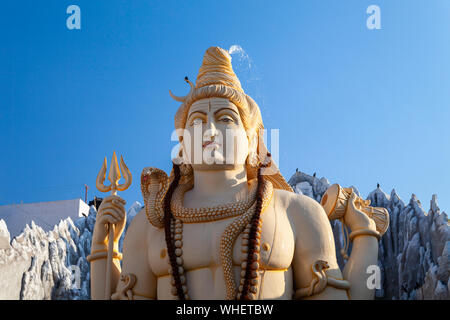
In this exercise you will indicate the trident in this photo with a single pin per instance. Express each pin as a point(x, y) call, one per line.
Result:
point(113, 177)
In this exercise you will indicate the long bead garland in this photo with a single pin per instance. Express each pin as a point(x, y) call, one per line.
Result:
point(248, 284)
point(177, 236)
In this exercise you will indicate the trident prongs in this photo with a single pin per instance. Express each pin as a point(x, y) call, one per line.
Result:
point(114, 176)
point(126, 175)
point(101, 178)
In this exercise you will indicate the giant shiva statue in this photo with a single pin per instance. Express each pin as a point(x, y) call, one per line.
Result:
point(225, 224)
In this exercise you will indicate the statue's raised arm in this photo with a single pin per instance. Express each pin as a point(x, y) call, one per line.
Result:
point(317, 274)
point(111, 213)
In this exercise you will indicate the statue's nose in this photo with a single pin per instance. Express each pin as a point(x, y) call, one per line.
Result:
point(211, 129)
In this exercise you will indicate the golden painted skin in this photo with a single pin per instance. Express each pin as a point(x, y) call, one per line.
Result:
point(296, 233)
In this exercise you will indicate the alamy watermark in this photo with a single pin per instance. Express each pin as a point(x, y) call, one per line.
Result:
point(374, 20)
point(74, 20)
point(374, 279)
point(75, 277)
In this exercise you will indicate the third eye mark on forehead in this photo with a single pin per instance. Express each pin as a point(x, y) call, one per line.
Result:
point(223, 105)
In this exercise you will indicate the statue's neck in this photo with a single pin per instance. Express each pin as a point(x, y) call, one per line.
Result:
point(228, 185)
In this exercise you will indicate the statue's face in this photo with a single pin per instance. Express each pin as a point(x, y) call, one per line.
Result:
point(214, 137)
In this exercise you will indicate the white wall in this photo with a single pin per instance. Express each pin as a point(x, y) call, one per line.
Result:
point(44, 214)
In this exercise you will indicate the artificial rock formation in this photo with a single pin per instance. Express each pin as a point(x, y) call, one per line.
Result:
point(50, 265)
point(414, 254)
point(4, 235)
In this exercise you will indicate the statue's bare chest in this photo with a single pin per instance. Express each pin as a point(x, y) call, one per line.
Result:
point(201, 244)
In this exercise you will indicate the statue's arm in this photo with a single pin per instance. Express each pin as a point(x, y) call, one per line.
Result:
point(316, 272)
point(98, 271)
point(364, 251)
point(112, 212)
point(364, 254)
point(136, 281)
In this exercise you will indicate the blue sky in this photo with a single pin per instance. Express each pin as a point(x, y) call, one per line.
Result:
point(357, 106)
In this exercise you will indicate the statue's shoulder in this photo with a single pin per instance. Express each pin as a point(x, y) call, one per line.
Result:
point(298, 204)
point(139, 218)
point(305, 213)
point(136, 231)
point(139, 229)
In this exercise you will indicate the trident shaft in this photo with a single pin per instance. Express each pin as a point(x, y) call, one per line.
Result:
point(114, 177)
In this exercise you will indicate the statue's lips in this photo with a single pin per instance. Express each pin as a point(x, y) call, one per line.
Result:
point(211, 144)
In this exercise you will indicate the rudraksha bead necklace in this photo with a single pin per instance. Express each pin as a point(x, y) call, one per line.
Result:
point(248, 223)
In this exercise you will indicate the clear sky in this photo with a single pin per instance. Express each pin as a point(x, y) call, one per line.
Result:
point(357, 106)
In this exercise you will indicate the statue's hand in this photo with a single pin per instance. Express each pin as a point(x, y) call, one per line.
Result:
point(356, 219)
point(112, 211)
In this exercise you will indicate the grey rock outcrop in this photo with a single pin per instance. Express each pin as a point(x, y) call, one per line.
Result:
point(51, 265)
point(4, 235)
point(414, 253)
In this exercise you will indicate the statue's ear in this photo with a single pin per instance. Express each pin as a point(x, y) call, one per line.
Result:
point(252, 158)
point(183, 155)
point(184, 159)
point(252, 143)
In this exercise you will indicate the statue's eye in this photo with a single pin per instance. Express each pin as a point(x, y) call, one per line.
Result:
point(197, 122)
point(226, 119)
